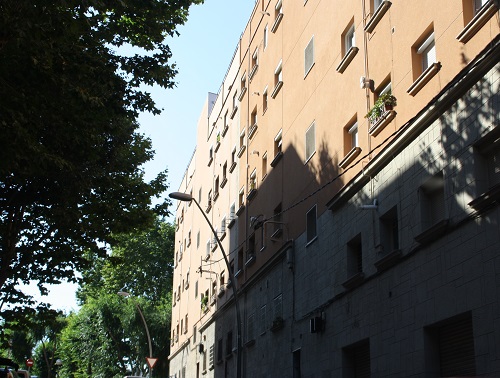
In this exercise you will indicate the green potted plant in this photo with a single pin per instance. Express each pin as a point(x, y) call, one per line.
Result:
point(204, 303)
point(384, 103)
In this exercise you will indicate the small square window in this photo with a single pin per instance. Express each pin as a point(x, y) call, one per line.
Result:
point(427, 51)
point(266, 35)
point(311, 231)
point(310, 142)
point(278, 15)
point(309, 56)
point(278, 79)
point(349, 39)
point(432, 198)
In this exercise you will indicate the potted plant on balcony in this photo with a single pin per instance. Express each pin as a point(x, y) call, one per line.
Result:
point(384, 103)
point(204, 303)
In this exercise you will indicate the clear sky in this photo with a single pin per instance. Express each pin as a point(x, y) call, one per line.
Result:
point(202, 53)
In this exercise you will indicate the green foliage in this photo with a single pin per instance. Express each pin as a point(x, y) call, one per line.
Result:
point(387, 99)
point(107, 336)
point(71, 154)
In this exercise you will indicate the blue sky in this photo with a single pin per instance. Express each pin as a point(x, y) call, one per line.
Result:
point(202, 53)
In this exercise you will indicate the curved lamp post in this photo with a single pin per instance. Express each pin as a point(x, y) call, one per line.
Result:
point(58, 364)
point(188, 198)
point(125, 294)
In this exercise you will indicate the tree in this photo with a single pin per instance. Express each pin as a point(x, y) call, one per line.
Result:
point(107, 337)
point(71, 156)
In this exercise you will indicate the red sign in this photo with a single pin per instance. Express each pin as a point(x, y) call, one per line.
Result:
point(29, 362)
point(151, 361)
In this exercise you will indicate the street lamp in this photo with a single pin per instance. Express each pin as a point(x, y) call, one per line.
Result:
point(124, 294)
point(58, 364)
point(188, 198)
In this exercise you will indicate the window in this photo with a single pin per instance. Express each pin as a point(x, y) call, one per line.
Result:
point(297, 371)
point(478, 4)
point(253, 180)
point(427, 50)
point(278, 307)
point(487, 169)
point(241, 197)
point(389, 230)
point(224, 175)
point(278, 219)
point(255, 63)
point(450, 347)
point(220, 355)
point(432, 201)
point(349, 39)
point(235, 104)
point(356, 360)
point(351, 143)
point(264, 166)
point(251, 327)
point(207, 252)
point(253, 123)
point(263, 319)
point(476, 13)
point(216, 188)
point(278, 15)
point(242, 144)
point(229, 343)
point(378, 9)
point(243, 85)
point(266, 34)
point(211, 356)
point(354, 256)
point(311, 225)
point(264, 100)
point(278, 153)
point(278, 79)
point(309, 56)
point(310, 142)
point(424, 62)
point(209, 200)
point(210, 156)
point(233, 160)
point(198, 240)
point(226, 126)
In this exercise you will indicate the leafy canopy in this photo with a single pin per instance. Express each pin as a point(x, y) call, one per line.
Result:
point(71, 157)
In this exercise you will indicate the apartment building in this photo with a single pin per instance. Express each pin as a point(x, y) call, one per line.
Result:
point(349, 165)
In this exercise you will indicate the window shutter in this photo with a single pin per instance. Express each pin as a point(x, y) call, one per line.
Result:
point(309, 56)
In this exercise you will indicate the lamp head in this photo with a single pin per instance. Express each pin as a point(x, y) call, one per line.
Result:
point(123, 294)
point(181, 196)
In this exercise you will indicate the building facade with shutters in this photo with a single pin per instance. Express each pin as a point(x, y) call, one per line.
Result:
point(350, 165)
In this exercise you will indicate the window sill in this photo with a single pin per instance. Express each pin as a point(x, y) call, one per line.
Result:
point(240, 210)
point(424, 78)
point(348, 57)
point(377, 16)
point(388, 260)
point(242, 94)
point(233, 112)
point(251, 195)
point(252, 130)
point(210, 161)
point(224, 130)
point(354, 281)
point(216, 195)
point(311, 241)
point(276, 89)
point(433, 232)
point(231, 168)
point(250, 261)
point(479, 20)
point(253, 72)
point(276, 159)
point(209, 207)
point(351, 155)
point(231, 223)
point(240, 152)
point(487, 199)
point(382, 122)
point(223, 182)
point(249, 343)
point(277, 22)
point(217, 146)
